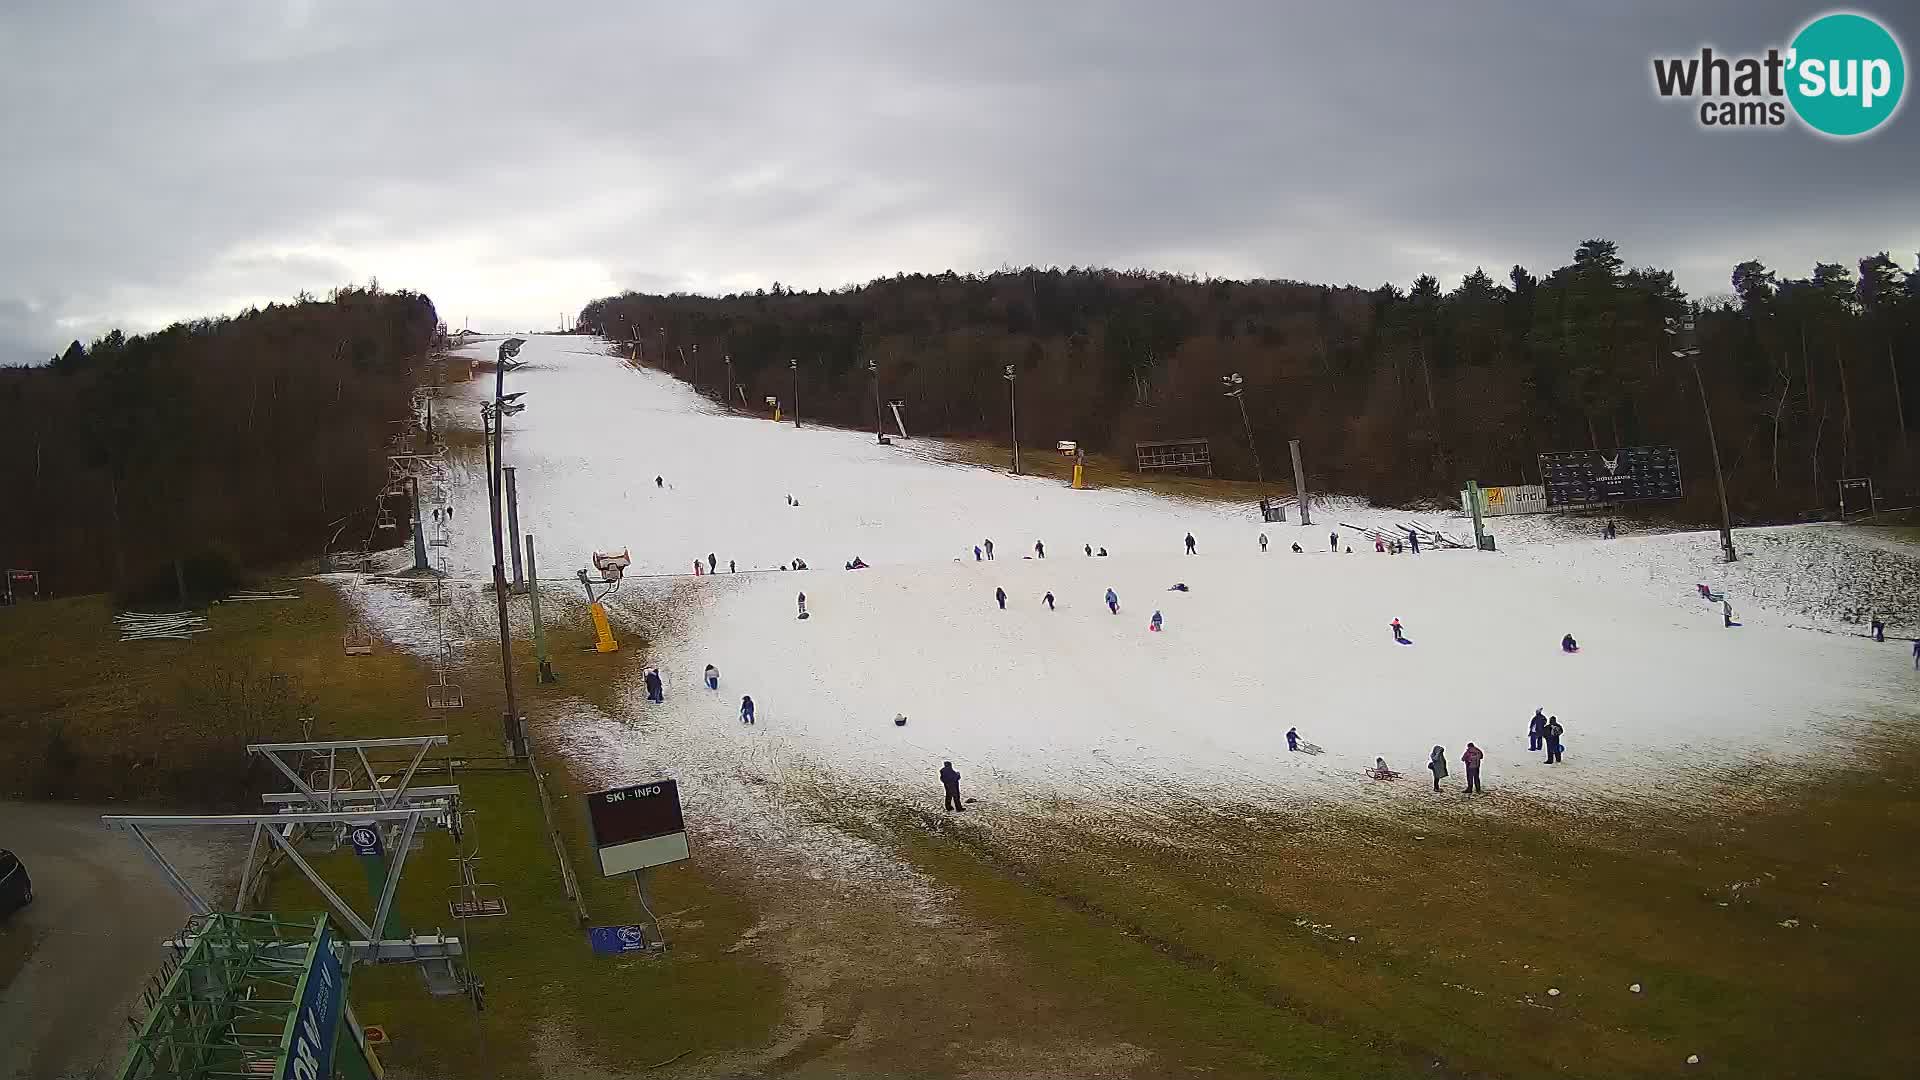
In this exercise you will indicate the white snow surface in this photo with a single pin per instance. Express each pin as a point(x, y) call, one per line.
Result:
point(1086, 706)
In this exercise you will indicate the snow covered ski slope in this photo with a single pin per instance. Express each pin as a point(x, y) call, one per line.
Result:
point(1083, 704)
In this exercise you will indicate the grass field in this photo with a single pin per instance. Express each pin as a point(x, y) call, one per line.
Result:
point(1771, 937)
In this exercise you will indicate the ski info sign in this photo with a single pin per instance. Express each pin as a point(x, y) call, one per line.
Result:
point(637, 826)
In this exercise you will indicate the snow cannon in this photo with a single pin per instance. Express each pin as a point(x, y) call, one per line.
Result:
point(612, 565)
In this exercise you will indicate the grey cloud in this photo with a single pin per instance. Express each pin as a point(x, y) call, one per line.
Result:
point(180, 160)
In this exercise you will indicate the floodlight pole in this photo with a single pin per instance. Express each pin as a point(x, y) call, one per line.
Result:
point(794, 364)
point(1237, 392)
point(1684, 328)
point(879, 433)
point(1013, 412)
point(1719, 479)
point(510, 721)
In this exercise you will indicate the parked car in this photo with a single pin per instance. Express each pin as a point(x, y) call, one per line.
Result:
point(16, 888)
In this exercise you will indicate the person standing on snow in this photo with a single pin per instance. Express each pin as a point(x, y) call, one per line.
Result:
point(1916, 651)
point(1437, 765)
point(989, 550)
point(1726, 612)
point(803, 605)
point(1471, 759)
point(731, 568)
point(1039, 550)
point(1089, 548)
point(1293, 739)
point(713, 677)
point(713, 564)
point(1000, 596)
point(1399, 634)
point(1879, 629)
point(655, 692)
point(1049, 599)
point(658, 482)
point(1537, 730)
point(1379, 545)
point(1190, 548)
point(1154, 623)
point(1413, 541)
point(1552, 732)
point(746, 708)
point(1263, 543)
point(950, 783)
point(1113, 605)
point(976, 553)
point(1333, 542)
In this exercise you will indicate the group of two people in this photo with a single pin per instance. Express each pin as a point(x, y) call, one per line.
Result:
point(1545, 730)
point(1437, 765)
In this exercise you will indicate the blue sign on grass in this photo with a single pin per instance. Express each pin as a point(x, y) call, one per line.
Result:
point(614, 940)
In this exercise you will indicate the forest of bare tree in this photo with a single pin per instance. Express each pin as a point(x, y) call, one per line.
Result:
point(211, 445)
point(1395, 394)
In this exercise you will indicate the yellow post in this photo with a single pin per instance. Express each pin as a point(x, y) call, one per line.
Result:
point(1079, 477)
point(603, 633)
point(776, 414)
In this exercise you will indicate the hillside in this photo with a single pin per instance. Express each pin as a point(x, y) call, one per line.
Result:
point(1394, 394)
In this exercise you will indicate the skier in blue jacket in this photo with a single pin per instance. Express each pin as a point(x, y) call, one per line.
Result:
point(1113, 603)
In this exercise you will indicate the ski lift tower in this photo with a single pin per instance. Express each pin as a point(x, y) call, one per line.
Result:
point(252, 995)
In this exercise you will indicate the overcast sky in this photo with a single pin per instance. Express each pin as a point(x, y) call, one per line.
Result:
point(514, 160)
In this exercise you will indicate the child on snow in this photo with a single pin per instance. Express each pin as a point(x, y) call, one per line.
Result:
point(713, 677)
point(1154, 623)
point(1381, 772)
point(1293, 740)
point(746, 709)
point(1113, 602)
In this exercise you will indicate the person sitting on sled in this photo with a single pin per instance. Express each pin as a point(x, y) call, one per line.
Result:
point(1381, 772)
point(1568, 645)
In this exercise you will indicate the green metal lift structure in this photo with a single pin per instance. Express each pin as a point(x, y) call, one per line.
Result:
point(253, 996)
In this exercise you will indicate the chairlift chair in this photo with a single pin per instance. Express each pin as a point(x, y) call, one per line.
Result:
point(443, 694)
point(358, 640)
point(439, 537)
point(383, 519)
point(474, 899)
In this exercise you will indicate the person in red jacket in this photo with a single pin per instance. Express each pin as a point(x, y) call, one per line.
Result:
point(1472, 759)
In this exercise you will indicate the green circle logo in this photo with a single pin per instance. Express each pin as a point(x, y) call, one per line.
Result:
point(1846, 75)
